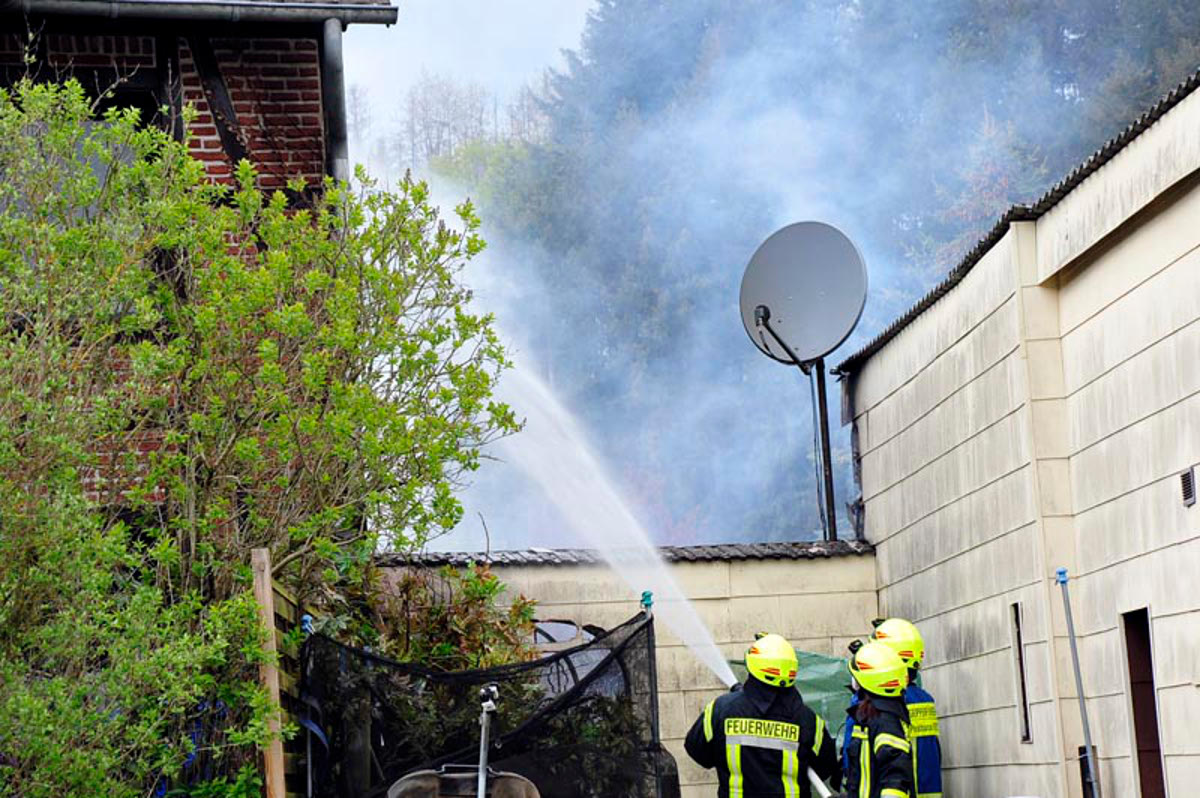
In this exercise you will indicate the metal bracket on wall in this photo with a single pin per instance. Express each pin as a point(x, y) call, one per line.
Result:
point(219, 101)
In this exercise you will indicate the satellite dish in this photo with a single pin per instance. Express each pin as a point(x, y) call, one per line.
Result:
point(802, 294)
point(812, 282)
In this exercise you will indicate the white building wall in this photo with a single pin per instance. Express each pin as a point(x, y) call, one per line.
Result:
point(943, 425)
point(1131, 356)
point(1036, 416)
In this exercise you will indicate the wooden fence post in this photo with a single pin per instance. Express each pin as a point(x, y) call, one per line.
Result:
point(260, 560)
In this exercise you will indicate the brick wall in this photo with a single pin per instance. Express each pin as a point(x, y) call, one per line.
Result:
point(12, 47)
point(125, 53)
point(275, 86)
point(62, 52)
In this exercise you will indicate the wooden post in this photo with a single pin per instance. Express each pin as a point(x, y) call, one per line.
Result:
point(260, 561)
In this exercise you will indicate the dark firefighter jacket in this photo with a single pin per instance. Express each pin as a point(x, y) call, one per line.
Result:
point(762, 740)
point(880, 754)
point(923, 736)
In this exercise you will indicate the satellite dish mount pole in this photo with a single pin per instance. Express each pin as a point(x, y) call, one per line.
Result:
point(762, 318)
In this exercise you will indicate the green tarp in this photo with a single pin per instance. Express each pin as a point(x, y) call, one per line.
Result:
point(822, 681)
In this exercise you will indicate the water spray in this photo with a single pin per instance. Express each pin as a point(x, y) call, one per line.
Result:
point(553, 450)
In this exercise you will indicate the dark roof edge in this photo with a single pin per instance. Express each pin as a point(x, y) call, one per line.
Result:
point(812, 550)
point(214, 10)
point(1024, 213)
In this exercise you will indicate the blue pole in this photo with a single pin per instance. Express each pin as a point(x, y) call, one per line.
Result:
point(1093, 772)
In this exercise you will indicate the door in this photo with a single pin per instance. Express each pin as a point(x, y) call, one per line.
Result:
point(1142, 698)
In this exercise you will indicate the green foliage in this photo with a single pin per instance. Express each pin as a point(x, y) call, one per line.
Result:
point(189, 371)
point(449, 620)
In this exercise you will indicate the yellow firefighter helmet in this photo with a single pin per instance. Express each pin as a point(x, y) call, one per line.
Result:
point(879, 670)
point(772, 660)
point(902, 637)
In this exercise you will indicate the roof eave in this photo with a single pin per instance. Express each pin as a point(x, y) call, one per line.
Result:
point(807, 550)
point(213, 10)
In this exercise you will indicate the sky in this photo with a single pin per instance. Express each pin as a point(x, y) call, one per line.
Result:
point(498, 44)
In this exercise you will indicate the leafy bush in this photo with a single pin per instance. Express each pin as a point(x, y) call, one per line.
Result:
point(189, 371)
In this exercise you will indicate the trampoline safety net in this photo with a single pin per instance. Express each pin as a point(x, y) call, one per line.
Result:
point(578, 723)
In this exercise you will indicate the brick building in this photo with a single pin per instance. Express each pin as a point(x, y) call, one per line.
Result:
point(264, 76)
point(265, 80)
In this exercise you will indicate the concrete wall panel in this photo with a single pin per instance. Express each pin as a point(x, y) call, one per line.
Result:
point(1183, 774)
point(1145, 520)
point(958, 417)
point(1150, 380)
point(997, 451)
point(1139, 173)
point(976, 353)
point(1144, 315)
point(1156, 448)
point(984, 289)
point(996, 509)
point(1178, 708)
point(1177, 650)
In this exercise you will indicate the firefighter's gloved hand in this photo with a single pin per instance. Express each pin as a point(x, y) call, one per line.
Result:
point(736, 687)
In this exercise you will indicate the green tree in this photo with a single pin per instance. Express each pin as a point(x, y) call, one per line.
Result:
point(189, 371)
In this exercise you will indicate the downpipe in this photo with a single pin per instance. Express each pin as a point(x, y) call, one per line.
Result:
point(1093, 767)
point(333, 98)
point(647, 604)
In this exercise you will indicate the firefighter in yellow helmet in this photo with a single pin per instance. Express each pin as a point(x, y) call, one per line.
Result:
point(761, 737)
point(879, 755)
point(903, 637)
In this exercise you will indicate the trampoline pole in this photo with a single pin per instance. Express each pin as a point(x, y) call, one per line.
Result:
point(652, 644)
point(487, 697)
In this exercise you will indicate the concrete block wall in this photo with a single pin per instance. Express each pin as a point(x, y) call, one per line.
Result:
point(1130, 329)
point(818, 604)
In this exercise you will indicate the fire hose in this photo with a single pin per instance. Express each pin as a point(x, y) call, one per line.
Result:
point(818, 785)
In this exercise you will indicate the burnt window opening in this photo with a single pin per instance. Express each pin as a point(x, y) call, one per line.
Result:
point(1018, 646)
point(144, 77)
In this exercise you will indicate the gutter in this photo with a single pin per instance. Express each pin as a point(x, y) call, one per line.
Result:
point(212, 10)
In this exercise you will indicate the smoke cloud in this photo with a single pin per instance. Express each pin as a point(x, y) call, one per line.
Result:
point(686, 133)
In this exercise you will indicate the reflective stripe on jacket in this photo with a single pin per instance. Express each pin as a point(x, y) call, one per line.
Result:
point(762, 740)
point(926, 745)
